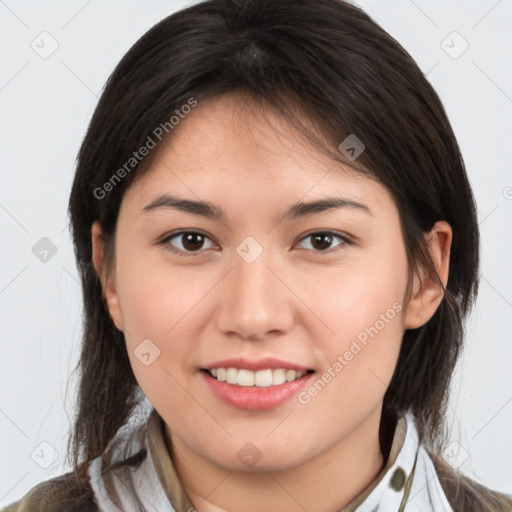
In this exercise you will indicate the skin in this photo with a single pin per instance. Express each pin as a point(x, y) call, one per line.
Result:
point(294, 302)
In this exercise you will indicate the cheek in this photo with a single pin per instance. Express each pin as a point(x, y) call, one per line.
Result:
point(156, 304)
point(155, 297)
point(158, 332)
point(356, 297)
point(362, 307)
point(359, 362)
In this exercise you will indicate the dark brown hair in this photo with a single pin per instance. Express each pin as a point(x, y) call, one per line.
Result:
point(330, 71)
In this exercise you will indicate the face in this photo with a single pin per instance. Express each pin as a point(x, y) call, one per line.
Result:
point(263, 281)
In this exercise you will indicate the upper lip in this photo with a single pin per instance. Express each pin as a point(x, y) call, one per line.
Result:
point(260, 364)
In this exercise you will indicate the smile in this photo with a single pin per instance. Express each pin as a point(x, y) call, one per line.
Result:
point(261, 378)
point(256, 391)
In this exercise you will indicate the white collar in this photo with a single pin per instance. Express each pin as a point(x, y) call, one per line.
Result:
point(411, 484)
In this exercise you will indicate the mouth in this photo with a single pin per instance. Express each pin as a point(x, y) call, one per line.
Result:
point(265, 378)
point(259, 390)
point(255, 384)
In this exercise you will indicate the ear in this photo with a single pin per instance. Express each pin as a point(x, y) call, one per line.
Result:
point(427, 293)
point(107, 281)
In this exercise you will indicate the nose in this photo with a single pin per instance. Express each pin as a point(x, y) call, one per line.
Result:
point(255, 301)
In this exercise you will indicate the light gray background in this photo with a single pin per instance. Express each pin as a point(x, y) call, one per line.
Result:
point(46, 104)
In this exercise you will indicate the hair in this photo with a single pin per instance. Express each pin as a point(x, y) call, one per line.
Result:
point(330, 71)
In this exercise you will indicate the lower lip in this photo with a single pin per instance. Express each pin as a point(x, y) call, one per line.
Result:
point(255, 398)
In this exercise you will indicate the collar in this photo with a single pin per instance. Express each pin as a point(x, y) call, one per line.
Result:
point(143, 467)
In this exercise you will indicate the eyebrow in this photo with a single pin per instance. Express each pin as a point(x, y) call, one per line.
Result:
point(211, 211)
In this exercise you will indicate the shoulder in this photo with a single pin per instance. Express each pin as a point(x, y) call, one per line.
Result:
point(60, 494)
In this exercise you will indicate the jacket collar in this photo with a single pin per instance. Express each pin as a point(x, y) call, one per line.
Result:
point(407, 483)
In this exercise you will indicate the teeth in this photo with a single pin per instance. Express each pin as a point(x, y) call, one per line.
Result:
point(245, 378)
point(262, 378)
point(278, 376)
point(232, 376)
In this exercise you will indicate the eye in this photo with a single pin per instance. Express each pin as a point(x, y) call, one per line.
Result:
point(321, 240)
point(191, 242)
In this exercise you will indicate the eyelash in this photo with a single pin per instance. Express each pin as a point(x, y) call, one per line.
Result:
point(180, 252)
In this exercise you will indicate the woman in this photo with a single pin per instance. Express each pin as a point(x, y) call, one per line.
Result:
point(298, 355)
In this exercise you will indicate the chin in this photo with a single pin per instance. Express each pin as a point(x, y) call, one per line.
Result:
point(252, 458)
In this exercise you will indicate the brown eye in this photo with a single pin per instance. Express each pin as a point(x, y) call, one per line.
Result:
point(321, 241)
point(187, 242)
point(192, 241)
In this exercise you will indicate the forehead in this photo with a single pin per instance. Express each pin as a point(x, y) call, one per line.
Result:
point(227, 147)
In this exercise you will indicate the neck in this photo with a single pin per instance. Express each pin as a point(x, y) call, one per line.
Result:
point(325, 483)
